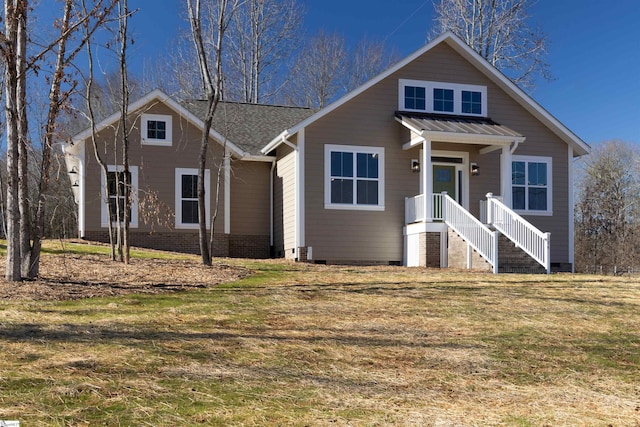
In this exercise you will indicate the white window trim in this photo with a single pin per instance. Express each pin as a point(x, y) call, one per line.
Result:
point(104, 211)
point(144, 120)
point(536, 159)
point(379, 151)
point(178, 195)
point(457, 96)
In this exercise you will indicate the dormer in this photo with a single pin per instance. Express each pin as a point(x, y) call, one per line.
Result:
point(442, 98)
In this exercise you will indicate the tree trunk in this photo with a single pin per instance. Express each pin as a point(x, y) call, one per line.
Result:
point(23, 134)
point(12, 272)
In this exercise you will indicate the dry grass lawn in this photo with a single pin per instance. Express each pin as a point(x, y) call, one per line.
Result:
point(308, 345)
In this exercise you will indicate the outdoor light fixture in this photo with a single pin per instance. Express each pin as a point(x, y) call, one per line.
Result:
point(415, 165)
point(75, 184)
point(475, 169)
point(74, 170)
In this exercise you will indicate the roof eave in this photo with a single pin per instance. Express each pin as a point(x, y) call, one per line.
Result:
point(162, 97)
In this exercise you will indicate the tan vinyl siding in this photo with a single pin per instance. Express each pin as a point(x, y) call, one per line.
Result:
point(285, 212)
point(368, 120)
point(250, 193)
point(157, 165)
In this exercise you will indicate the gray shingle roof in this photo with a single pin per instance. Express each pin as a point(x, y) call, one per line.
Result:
point(250, 126)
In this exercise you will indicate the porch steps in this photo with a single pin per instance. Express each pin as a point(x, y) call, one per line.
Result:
point(512, 259)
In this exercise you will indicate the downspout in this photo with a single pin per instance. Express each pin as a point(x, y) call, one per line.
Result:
point(515, 146)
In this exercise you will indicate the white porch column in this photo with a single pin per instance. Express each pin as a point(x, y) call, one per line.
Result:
point(427, 180)
point(505, 176)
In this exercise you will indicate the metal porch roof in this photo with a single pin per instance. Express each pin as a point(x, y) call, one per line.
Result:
point(467, 125)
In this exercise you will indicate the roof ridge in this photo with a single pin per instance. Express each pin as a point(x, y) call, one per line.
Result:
point(257, 104)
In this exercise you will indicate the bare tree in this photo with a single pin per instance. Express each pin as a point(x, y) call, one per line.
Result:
point(262, 35)
point(608, 207)
point(500, 31)
point(318, 74)
point(210, 65)
point(326, 69)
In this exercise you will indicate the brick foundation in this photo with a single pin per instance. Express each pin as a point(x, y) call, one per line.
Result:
point(457, 254)
point(224, 245)
point(430, 250)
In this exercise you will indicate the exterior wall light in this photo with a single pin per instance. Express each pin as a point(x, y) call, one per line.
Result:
point(475, 169)
point(415, 165)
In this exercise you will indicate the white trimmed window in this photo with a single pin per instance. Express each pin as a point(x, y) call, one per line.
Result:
point(354, 177)
point(187, 197)
point(531, 185)
point(442, 98)
point(156, 129)
point(112, 199)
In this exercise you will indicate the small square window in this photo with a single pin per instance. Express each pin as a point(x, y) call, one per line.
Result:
point(415, 98)
point(156, 129)
point(471, 102)
point(443, 100)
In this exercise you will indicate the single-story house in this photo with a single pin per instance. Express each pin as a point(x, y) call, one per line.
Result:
point(438, 161)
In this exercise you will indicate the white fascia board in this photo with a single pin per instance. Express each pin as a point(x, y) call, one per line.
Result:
point(471, 138)
point(275, 142)
point(162, 97)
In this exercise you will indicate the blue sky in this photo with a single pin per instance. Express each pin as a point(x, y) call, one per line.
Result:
point(594, 50)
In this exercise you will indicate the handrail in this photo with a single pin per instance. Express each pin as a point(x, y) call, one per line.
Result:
point(414, 208)
point(520, 231)
point(476, 234)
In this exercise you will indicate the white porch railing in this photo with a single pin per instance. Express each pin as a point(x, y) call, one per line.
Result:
point(531, 240)
point(414, 208)
point(479, 236)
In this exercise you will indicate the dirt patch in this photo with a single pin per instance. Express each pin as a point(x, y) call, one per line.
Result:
point(85, 276)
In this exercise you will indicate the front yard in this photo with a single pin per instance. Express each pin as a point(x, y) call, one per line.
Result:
point(162, 342)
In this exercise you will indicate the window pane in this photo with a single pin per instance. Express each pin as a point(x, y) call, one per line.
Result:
point(367, 192)
point(538, 199)
point(517, 173)
point(189, 211)
point(111, 183)
point(189, 186)
point(518, 198)
point(537, 174)
point(341, 164)
point(341, 191)
point(367, 165)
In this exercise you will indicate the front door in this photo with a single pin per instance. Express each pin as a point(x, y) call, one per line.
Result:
point(445, 178)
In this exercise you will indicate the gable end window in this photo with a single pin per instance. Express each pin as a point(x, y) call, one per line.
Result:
point(471, 102)
point(156, 129)
point(443, 100)
point(113, 198)
point(187, 197)
point(531, 185)
point(354, 177)
point(414, 98)
point(440, 97)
